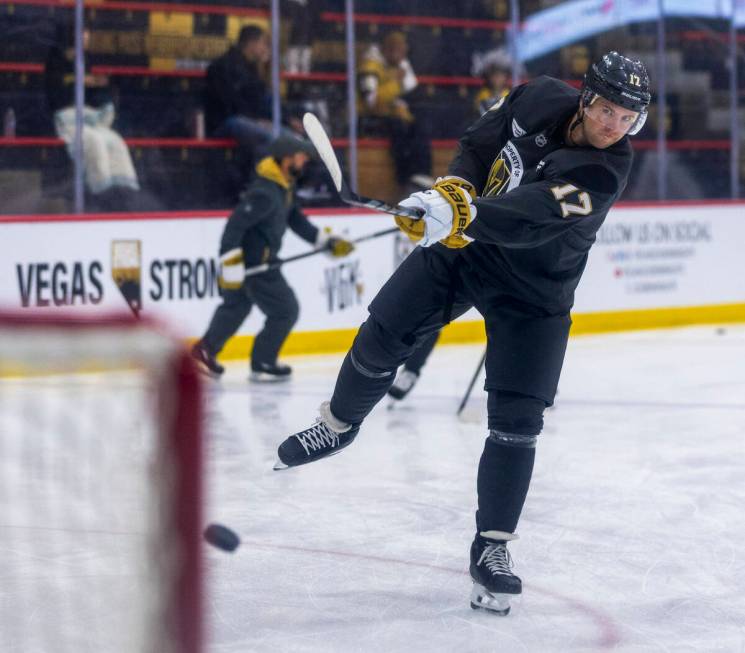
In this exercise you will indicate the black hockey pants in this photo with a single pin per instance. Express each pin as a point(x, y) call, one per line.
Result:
point(431, 287)
point(274, 297)
point(418, 358)
point(524, 356)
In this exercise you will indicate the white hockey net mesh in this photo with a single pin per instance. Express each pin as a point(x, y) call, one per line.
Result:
point(99, 489)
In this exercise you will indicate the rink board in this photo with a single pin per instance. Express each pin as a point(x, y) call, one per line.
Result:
point(652, 266)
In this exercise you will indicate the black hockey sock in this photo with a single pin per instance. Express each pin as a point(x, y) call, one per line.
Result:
point(503, 481)
point(359, 387)
point(367, 372)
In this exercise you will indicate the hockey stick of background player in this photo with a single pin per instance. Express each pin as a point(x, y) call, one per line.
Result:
point(321, 142)
point(276, 264)
point(464, 401)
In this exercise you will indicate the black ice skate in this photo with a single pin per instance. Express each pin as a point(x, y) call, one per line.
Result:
point(403, 384)
point(206, 361)
point(491, 570)
point(326, 437)
point(270, 372)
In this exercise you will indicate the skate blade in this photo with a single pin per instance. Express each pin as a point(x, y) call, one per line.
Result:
point(481, 598)
point(207, 372)
point(261, 377)
point(279, 465)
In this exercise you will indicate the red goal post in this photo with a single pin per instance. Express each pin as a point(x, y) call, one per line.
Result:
point(100, 487)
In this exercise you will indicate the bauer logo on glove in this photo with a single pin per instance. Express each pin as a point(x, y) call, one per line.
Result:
point(448, 211)
point(458, 181)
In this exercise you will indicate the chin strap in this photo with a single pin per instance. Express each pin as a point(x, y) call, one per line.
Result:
point(577, 121)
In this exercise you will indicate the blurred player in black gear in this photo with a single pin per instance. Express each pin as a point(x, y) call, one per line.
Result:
point(508, 232)
point(252, 236)
point(408, 375)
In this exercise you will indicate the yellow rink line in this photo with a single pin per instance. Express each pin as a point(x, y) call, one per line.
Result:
point(337, 340)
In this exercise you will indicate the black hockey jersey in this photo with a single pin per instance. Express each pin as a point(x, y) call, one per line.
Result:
point(268, 206)
point(541, 201)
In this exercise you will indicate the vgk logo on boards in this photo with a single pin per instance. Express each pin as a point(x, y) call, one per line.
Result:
point(505, 173)
point(402, 247)
point(126, 271)
point(343, 286)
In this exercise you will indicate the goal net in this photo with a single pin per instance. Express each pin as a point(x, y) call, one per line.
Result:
point(99, 488)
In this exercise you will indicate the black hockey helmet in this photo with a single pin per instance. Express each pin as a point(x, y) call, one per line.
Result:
point(621, 80)
point(288, 144)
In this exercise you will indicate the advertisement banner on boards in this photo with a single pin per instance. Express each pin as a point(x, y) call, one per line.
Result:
point(665, 257)
point(644, 258)
point(168, 268)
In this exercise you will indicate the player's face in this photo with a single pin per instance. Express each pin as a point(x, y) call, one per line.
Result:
point(606, 123)
point(298, 163)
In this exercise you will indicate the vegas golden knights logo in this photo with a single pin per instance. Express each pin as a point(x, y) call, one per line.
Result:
point(125, 271)
point(498, 177)
point(505, 173)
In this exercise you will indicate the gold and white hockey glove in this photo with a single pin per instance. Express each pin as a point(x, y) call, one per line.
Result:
point(448, 211)
point(336, 247)
point(232, 270)
point(458, 181)
point(456, 241)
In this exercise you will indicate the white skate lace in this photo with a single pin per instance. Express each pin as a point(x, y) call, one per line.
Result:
point(497, 559)
point(317, 437)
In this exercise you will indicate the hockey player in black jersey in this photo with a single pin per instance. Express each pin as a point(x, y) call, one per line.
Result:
point(252, 236)
point(508, 232)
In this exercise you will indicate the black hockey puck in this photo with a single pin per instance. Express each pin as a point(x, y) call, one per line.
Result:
point(221, 537)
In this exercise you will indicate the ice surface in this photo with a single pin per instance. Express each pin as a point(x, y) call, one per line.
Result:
point(632, 537)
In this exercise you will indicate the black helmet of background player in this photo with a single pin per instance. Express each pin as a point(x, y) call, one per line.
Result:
point(620, 80)
point(288, 145)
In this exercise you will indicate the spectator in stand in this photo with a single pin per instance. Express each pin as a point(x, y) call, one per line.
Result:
point(495, 69)
point(386, 82)
point(237, 102)
point(300, 22)
point(110, 176)
point(237, 97)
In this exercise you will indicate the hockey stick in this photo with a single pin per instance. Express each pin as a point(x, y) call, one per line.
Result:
point(321, 142)
point(277, 264)
point(471, 384)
